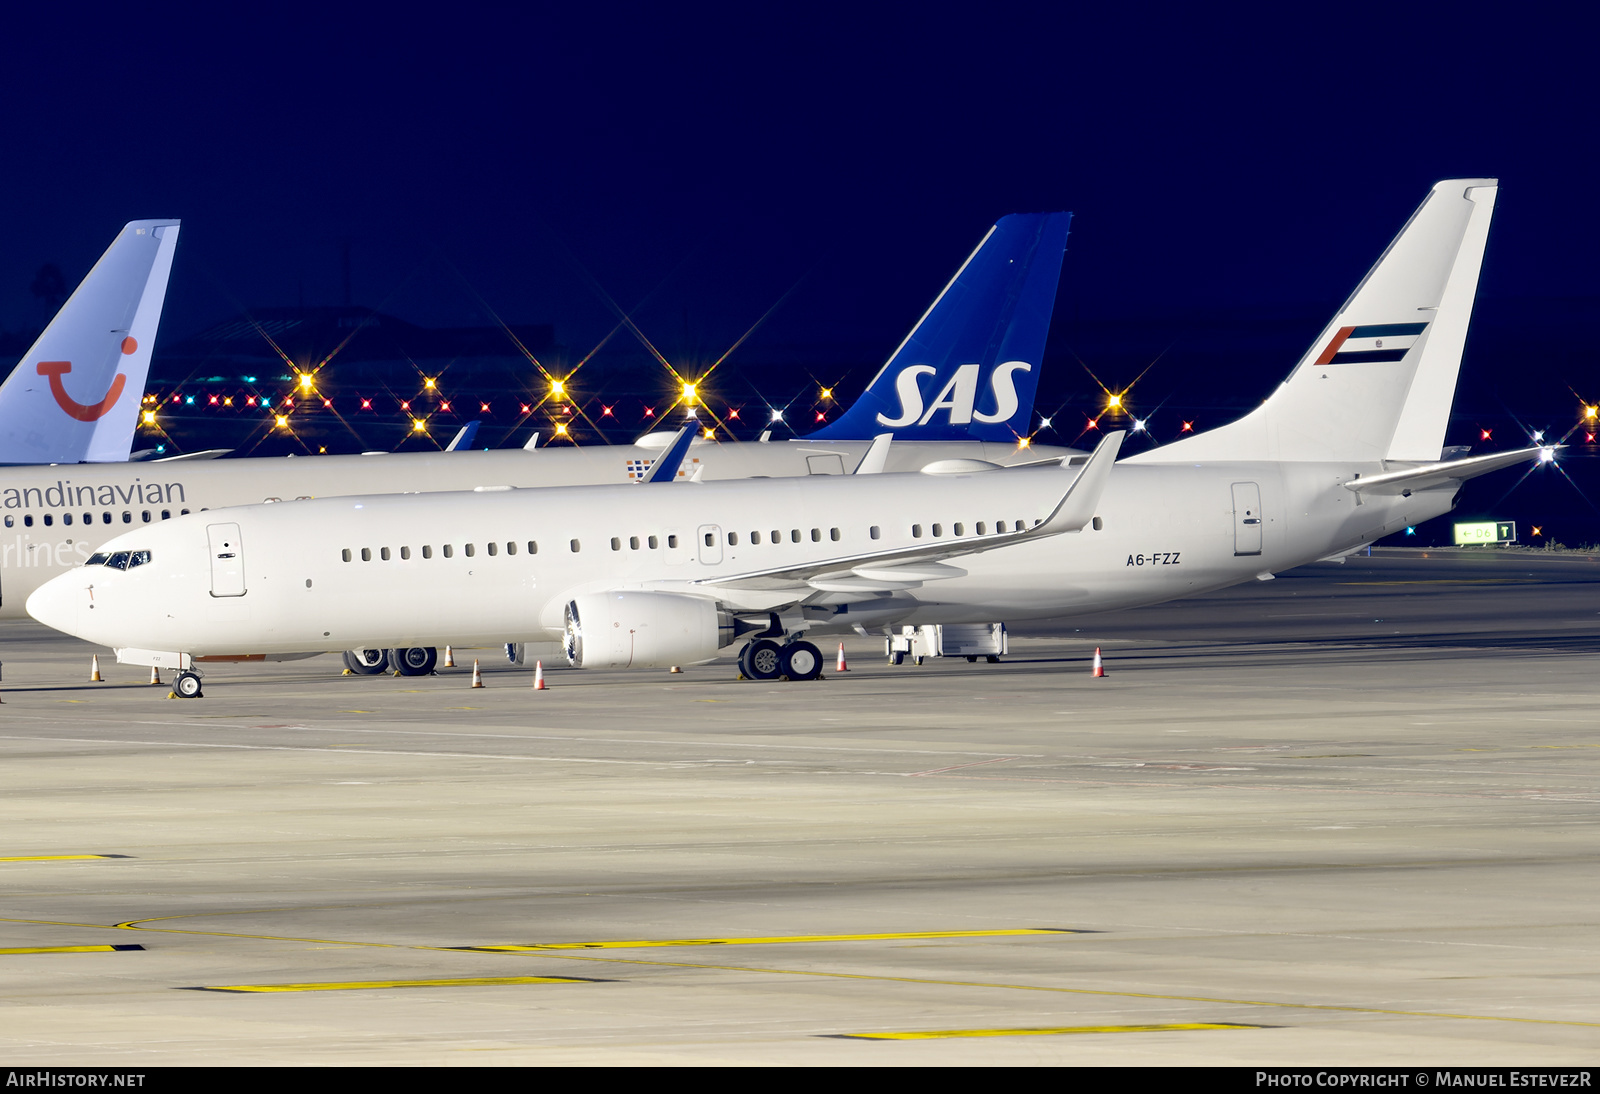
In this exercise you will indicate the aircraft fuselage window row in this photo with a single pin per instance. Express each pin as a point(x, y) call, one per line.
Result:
point(653, 543)
point(88, 518)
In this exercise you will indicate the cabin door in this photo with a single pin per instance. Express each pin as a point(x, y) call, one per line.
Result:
point(1246, 518)
point(227, 560)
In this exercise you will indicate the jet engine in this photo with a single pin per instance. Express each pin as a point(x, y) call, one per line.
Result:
point(640, 630)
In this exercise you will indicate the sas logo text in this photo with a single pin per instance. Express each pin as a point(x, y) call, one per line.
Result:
point(958, 397)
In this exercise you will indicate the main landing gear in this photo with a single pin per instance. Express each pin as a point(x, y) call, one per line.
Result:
point(765, 659)
point(412, 661)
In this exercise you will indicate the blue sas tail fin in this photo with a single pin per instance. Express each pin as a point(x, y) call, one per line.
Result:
point(74, 397)
point(970, 367)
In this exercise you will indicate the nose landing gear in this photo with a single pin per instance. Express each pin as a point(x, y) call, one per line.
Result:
point(187, 685)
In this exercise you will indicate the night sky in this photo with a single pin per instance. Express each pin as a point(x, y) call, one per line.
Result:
point(699, 164)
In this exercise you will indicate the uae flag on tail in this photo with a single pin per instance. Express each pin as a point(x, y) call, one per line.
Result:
point(1376, 342)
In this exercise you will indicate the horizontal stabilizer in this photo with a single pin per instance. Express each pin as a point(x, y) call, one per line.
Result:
point(1430, 475)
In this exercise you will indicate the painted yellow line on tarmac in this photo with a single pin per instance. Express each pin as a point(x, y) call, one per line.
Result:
point(68, 949)
point(771, 940)
point(53, 858)
point(365, 985)
point(930, 1034)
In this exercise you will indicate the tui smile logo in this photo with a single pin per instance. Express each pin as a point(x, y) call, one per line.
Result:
point(85, 412)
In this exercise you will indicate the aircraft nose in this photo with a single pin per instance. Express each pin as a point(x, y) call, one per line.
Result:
point(56, 602)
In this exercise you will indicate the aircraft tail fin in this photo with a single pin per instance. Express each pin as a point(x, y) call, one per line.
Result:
point(75, 395)
point(970, 367)
point(1378, 382)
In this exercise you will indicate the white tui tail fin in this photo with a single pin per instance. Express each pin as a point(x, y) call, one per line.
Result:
point(75, 396)
point(1377, 384)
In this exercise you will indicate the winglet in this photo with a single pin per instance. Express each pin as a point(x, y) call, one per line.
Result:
point(1082, 498)
point(533, 442)
point(665, 469)
point(464, 437)
point(877, 456)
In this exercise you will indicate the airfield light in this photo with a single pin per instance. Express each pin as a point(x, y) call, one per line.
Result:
point(821, 417)
point(1547, 455)
point(827, 393)
point(322, 449)
point(366, 404)
point(418, 425)
point(1484, 434)
point(328, 403)
point(251, 401)
point(427, 382)
point(282, 420)
point(649, 412)
point(227, 400)
point(558, 389)
point(1411, 531)
point(443, 405)
point(1114, 402)
point(777, 415)
point(710, 433)
point(188, 400)
point(179, 398)
point(1044, 423)
point(483, 408)
point(213, 400)
point(1094, 423)
point(688, 393)
point(733, 415)
point(526, 409)
point(1589, 412)
point(605, 411)
point(1024, 442)
point(1538, 436)
point(149, 417)
point(266, 400)
point(1537, 530)
point(561, 429)
point(305, 381)
point(405, 404)
point(1138, 425)
point(1188, 427)
point(1588, 438)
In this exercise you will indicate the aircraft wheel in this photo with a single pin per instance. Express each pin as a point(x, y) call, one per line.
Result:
point(972, 660)
point(366, 662)
point(186, 686)
point(802, 661)
point(762, 660)
point(897, 658)
point(413, 661)
point(917, 661)
point(992, 659)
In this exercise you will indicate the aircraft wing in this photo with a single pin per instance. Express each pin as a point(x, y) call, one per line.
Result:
point(908, 567)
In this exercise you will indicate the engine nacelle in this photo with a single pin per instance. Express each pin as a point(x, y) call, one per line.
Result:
point(639, 630)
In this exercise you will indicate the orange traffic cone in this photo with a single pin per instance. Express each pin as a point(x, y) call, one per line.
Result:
point(538, 677)
point(94, 669)
point(477, 677)
point(839, 665)
point(1099, 667)
point(674, 668)
point(155, 675)
point(449, 658)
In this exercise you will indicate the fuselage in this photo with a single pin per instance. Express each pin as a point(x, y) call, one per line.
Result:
point(486, 567)
point(54, 517)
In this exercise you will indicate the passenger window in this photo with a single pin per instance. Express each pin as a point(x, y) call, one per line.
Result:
point(981, 528)
point(816, 535)
point(777, 536)
point(833, 534)
point(49, 520)
point(183, 512)
point(511, 547)
point(494, 548)
point(794, 535)
point(916, 531)
point(344, 553)
point(10, 521)
point(366, 554)
point(166, 514)
point(449, 550)
point(711, 539)
point(145, 515)
point(533, 547)
point(960, 529)
point(383, 553)
point(938, 529)
point(66, 518)
point(576, 546)
point(105, 518)
point(672, 542)
point(873, 531)
point(427, 550)
point(470, 550)
point(27, 521)
point(653, 542)
point(633, 543)
point(733, 539)
point(405, 552)
point(755, 538)
point(127, 517)
point(616, 543)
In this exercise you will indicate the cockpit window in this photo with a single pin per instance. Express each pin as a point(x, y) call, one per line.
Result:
point(118, 561)
point(138, 558)
point(98, 559)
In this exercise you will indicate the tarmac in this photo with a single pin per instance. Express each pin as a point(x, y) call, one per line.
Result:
point(1345, 817)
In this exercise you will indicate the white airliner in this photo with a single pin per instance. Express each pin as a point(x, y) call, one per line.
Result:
point(960, 386)
point(74, 397)
point(1349, 449)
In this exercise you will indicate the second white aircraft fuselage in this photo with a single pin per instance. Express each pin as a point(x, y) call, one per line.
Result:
point(480, 568)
